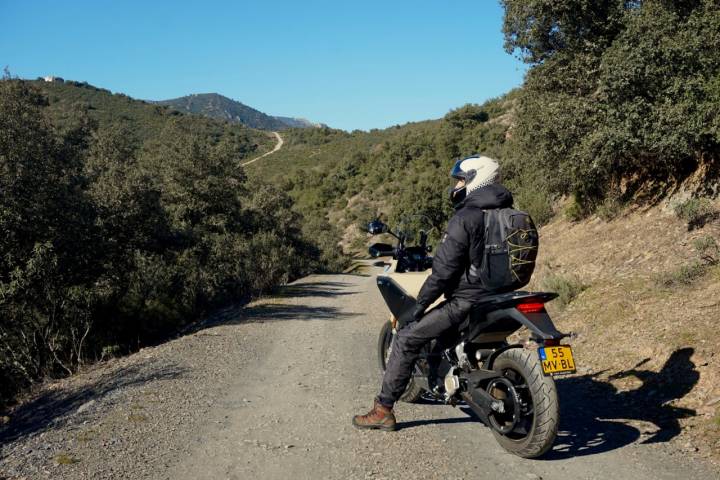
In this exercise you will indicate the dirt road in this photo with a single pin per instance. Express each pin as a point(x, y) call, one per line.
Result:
point(277, 147)
point(268, 391)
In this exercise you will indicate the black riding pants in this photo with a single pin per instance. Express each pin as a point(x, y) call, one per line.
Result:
point(409, 341)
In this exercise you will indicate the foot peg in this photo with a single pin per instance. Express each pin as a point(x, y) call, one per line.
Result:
point(452, 385)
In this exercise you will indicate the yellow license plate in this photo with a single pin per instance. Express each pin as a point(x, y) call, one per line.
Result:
point(557, 359)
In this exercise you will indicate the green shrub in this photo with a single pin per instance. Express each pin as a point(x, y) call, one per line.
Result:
point(615, 91)
point(110, 351)
point(683, 276)
point(695, 211)
point(537, 202)
point(568, 287)
point(708, 249)
point(575, 210)
point(467, 116)
point(609, 208)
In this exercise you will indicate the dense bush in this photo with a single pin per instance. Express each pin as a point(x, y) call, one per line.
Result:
point(618, 93)
point(467, 116)
point(110, 241)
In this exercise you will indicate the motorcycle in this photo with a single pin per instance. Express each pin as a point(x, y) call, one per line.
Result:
point(509, 386)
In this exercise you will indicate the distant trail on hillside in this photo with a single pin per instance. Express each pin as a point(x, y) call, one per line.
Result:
point(278, 146)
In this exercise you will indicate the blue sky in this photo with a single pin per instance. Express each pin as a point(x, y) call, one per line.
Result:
point(360, 64)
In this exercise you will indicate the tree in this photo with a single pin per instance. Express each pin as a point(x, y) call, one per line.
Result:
point(48, 243)
point(619, 93)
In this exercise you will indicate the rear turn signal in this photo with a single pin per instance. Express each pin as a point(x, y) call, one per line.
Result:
point(531, 307)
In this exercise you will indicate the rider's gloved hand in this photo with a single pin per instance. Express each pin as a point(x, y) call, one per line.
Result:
point(418, 312)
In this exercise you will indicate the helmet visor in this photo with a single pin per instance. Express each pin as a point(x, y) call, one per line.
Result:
point(456, 172)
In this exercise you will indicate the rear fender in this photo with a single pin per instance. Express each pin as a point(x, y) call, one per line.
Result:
point(491, 359)
point(539, 324)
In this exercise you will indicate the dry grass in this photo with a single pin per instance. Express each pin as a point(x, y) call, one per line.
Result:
point(708, 256)
point(137, 418)
point(685, 275)
point(86, 436)
point(566, 286)
point(625, 312)
point(65, 459)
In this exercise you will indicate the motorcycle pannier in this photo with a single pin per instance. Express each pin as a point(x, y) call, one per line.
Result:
point(511, 247)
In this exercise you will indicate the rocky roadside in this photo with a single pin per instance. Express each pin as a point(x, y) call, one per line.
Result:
point(127, 417)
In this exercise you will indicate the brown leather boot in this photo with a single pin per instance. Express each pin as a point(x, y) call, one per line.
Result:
point(380, 417)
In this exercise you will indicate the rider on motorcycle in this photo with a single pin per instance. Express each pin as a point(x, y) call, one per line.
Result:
point(453, 274)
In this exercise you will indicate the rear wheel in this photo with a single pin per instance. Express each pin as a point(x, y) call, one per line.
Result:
point(413, 392)
point(529, 425)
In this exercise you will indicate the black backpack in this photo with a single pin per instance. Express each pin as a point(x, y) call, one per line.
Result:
point(511, 247)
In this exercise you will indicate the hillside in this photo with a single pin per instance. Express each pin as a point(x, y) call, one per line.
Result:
point(641, 292)
point(144, 121)
point(219, 107)
point(351, 178)
point(123, 221)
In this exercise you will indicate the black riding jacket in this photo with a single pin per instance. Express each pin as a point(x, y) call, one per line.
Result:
point(462, 246)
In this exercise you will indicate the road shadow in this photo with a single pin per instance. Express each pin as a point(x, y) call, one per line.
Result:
point(267, 312)
point(273, 312)
point(427, 399)
point(595, 415)
point(276, 311)
point(53, 406)
point(701, 220)
point(314, 289)
point(436, 421)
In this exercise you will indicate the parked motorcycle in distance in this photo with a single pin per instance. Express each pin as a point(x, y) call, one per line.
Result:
point(509, 386)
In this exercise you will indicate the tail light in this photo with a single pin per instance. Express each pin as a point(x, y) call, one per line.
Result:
point(551, 342)
point(531, 307)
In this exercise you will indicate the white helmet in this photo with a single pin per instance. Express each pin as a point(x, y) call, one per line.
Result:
point(477, 171)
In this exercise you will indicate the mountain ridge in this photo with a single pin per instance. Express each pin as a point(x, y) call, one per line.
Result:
point(220, 107)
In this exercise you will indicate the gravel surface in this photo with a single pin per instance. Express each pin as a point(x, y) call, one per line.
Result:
point(268, 391)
